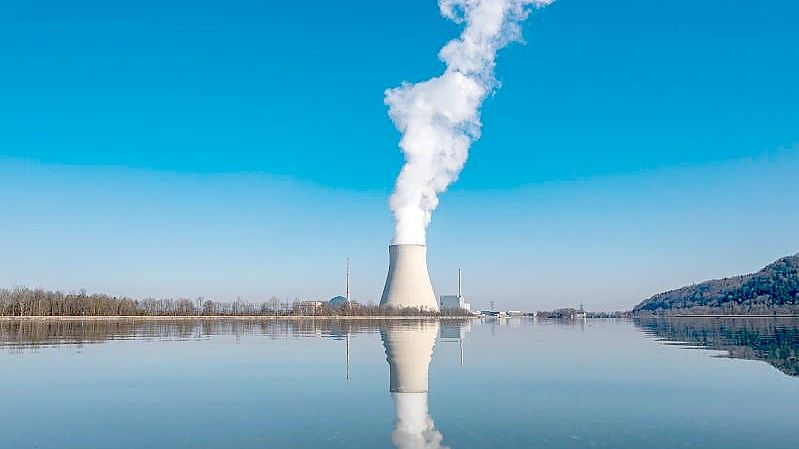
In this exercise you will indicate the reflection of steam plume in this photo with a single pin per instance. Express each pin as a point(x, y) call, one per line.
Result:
point(439, 118)
point(414, 428)
point(409, 348)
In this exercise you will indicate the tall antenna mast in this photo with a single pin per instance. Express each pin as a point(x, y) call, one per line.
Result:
point(348, 280)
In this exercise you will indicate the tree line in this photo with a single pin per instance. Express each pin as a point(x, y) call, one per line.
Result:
point(24, 301)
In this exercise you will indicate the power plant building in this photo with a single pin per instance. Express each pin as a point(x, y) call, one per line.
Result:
point(455, 301)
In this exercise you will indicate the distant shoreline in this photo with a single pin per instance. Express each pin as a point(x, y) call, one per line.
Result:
point(226, 317)
point(719, 316)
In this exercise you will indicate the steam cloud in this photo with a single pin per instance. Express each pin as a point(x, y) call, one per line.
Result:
point(440, 118)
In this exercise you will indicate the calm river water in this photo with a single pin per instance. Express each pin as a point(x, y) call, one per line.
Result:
point(677, 383)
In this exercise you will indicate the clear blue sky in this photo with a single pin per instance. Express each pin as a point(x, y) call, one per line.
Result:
point(179, 148)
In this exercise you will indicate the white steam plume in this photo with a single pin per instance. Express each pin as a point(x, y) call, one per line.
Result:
point(440, 118)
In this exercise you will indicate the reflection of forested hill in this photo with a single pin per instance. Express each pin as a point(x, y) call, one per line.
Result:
point(775, 288)
point(775, 341)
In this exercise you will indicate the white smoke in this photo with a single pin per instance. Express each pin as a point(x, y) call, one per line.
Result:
point(440, 118)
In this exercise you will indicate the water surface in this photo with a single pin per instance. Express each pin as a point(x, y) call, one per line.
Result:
point(676, 383)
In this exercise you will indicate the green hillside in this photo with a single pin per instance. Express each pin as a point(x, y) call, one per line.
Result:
point(774, 289)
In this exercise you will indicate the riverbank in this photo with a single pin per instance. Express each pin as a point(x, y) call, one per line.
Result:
point(228, 317)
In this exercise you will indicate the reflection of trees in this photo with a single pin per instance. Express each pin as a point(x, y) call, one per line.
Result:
point(23, 334)
point(31, 334)
point(775, 341)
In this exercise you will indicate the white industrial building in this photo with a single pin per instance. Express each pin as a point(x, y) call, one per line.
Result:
point(455, 301)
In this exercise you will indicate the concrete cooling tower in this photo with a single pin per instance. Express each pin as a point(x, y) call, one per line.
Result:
point(408, 284)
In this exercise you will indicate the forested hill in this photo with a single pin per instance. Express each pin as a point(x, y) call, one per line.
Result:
point(774, 289)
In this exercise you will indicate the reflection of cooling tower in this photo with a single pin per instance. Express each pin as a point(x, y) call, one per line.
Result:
point(409, 348)
point(408, 284)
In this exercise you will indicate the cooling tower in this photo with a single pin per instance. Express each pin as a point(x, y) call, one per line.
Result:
point(408, 284)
